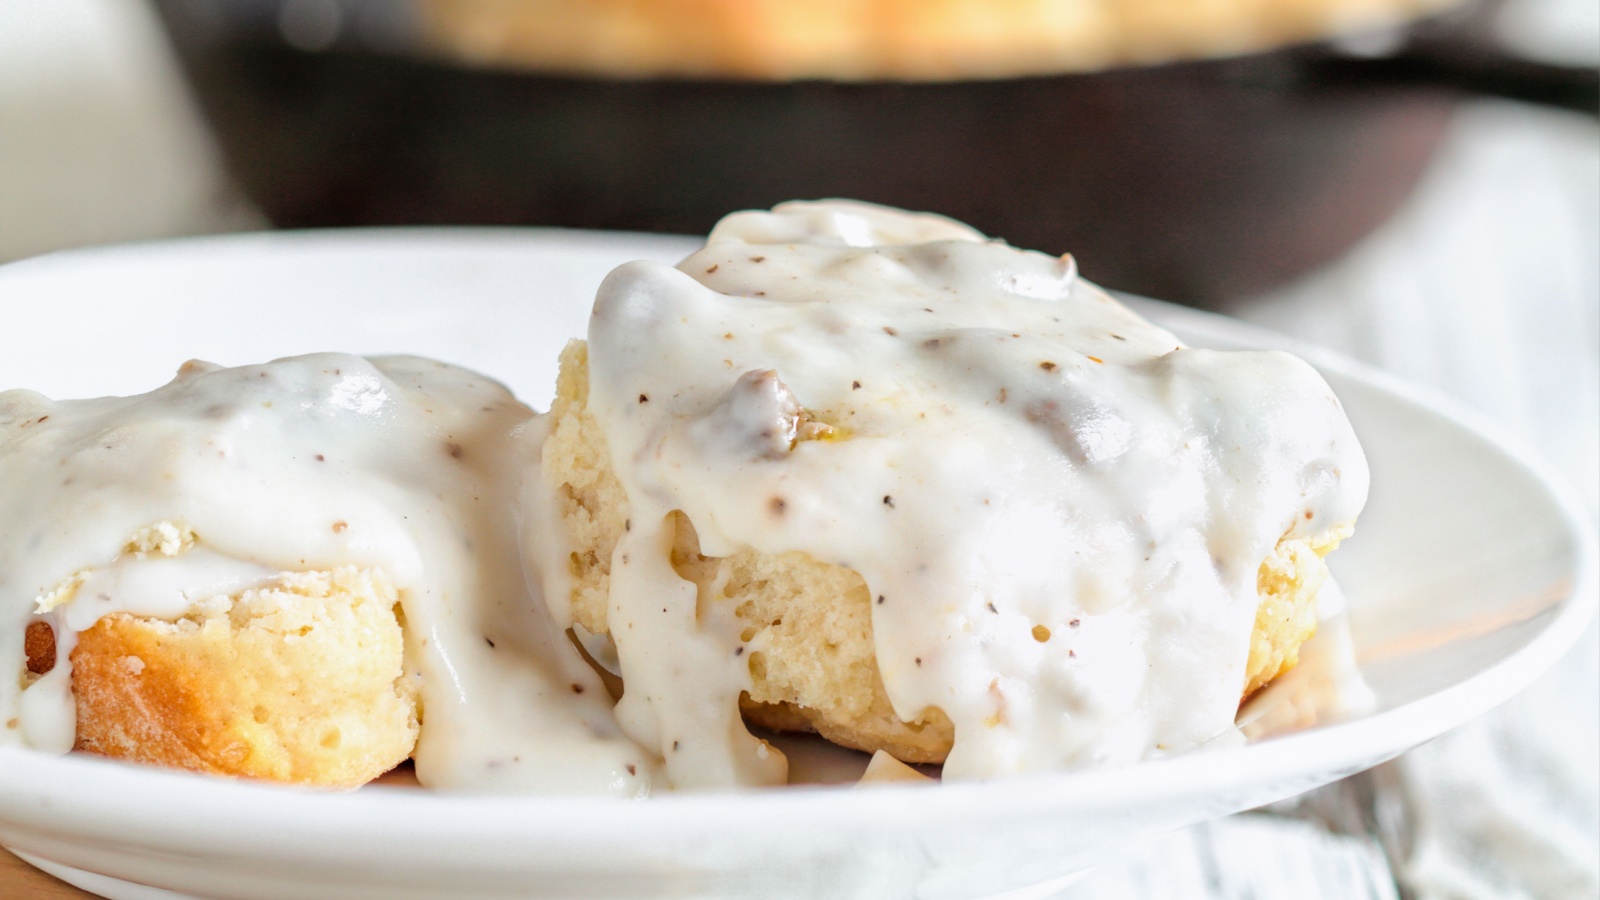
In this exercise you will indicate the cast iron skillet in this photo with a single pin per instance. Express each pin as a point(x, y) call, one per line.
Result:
point(1198, 181)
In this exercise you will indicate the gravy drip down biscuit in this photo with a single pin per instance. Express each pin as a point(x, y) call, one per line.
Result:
point(302, 571)
point(871, 473)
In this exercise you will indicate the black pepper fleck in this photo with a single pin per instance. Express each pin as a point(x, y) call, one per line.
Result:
point(644, 398)
point(888, 501)
point(855, 385)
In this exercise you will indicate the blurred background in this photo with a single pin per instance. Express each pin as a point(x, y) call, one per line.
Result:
point(1413, 182)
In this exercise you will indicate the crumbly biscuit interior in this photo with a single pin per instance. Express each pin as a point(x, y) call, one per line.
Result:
point(300, 680)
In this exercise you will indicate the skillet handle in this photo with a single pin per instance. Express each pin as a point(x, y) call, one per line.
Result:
point(1468, 68)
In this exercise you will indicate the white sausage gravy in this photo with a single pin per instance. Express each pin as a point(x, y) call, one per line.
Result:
point(1059, 510)
point(406, 465)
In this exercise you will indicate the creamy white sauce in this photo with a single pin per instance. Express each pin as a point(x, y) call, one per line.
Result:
point(1058, 509)
point(1022, 454)
point(401, 464)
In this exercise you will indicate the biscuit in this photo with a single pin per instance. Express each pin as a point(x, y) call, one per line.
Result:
point(300, 680)
point(815, 669)
point(912, 40)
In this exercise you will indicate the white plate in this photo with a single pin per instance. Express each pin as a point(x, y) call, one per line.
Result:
point(1470, 575)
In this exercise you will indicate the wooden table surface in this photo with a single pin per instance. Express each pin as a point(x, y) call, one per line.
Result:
point(22, 881)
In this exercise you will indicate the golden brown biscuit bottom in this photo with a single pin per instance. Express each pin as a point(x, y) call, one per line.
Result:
point(299, 681)
point(816, 669)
